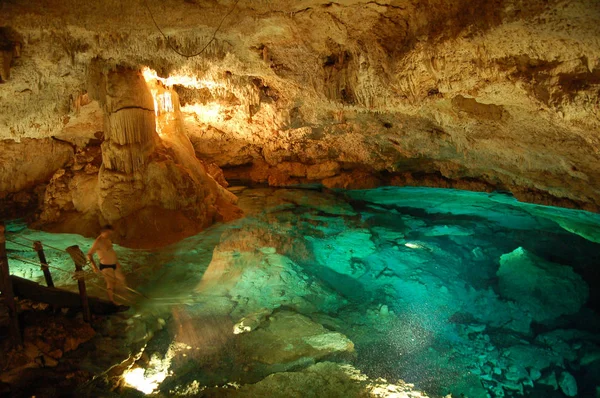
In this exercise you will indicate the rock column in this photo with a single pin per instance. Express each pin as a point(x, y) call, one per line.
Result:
point(129, 140)
point(151, 188)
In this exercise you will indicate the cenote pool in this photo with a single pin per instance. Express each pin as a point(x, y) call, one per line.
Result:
point(391, 292)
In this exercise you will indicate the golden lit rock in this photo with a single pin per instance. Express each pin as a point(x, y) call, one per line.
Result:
point(475, 94)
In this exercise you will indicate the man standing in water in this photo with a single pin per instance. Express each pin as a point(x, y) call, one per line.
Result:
point(109, 265)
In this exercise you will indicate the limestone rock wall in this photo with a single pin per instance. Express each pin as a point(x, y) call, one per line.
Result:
point(25, 167)
point(470, 93)
point(10, 47)
point(29, 162)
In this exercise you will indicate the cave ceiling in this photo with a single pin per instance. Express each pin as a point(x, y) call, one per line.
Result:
point(479, 94)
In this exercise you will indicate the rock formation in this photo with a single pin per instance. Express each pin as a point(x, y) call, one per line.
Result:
point(25, 168)
point(153, 190)
point(289, 339)
point(355, 94)
point(10, 47)
point(544, 289)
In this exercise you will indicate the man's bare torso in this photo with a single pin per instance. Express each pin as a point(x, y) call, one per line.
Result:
point(105, 251)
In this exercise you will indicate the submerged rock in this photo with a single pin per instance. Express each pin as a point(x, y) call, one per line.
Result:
point(550, 380)
point(257, 281)
point(326, 379)
point(289, 339)
point(447, 230)
point(384, 310)
point(342, 253)
point(251, 322)
point(543, 289)
point(534, 357)
point(567, 384)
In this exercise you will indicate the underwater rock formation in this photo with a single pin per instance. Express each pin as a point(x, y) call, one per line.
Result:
point(453, 291)
point(567, 384)
point(543, 289)
point(326, 379)
point(261, 279)
point(287, 340)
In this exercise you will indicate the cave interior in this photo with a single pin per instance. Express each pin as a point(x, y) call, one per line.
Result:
point(391, 198)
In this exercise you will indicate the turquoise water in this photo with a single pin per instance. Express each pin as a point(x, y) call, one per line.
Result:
point(454, 292)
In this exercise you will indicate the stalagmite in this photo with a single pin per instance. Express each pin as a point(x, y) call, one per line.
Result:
point(152, 189)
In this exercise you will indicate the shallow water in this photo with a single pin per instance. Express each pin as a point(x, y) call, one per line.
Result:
point(454, 292)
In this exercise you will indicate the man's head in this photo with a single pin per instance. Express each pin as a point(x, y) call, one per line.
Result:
point(106, 231)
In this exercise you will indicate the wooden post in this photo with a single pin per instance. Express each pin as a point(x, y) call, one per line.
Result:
point(80, 260)
point(7, 291)
point(37, 246)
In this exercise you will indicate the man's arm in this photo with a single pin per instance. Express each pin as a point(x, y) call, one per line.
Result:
point(90, 255)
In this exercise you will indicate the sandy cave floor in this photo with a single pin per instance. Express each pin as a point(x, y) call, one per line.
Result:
point(327, 294)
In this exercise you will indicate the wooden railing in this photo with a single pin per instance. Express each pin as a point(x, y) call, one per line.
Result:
point(6, 284)
point(7, 291)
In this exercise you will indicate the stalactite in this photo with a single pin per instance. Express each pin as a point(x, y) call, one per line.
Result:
point(129, 126)
point(5, 60)
point(10, 47)
point(125, 158)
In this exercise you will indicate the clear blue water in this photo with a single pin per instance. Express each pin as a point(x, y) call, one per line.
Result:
point(452, 291)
